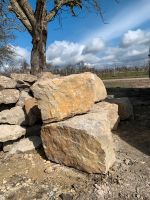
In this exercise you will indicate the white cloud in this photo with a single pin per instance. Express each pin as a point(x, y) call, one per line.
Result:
point(133, 15)
point(64, 52)
point(94, 46)
point(21, 53)
point(135, 37)
point(133, 48)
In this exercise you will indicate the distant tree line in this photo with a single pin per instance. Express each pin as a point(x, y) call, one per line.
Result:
point(104, 72)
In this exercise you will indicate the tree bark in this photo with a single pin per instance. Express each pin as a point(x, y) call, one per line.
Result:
point(38, 53)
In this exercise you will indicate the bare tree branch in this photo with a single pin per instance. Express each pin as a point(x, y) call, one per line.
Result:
point(14, 7)
point(59, 4)
point(27, 9)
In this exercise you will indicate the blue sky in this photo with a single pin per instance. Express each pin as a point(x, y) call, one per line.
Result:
point(124, 38)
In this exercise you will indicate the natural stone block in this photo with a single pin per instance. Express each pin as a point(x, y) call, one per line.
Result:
point(9, 96)
point(64, 97)
point(11, 132)
point(83, 142)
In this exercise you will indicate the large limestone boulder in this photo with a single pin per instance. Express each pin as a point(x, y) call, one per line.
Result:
point(83, 142)
point(11, 132)
point(64, 97)
point(22, 98)
point(9, 96)
point(24, 77)
point(14, 116)
point(7, 83)
point(23, 145)
point(32, 111)
point(125, 108)
point(109, 110)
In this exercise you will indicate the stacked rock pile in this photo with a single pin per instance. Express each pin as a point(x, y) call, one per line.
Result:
point(68, 113)
point(15, 121)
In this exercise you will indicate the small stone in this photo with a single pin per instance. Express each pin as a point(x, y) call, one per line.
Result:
point(64, 196)
point(48, 170)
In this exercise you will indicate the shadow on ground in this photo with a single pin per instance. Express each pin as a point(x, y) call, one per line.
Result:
point(137, 131)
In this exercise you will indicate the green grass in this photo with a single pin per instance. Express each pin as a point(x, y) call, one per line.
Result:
point(122, 75)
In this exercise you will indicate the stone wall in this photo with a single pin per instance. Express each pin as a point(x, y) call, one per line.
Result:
point(69, 116)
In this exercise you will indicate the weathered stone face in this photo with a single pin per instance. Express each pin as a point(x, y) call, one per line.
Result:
point(24, 77)
point(14, 116)
point(83, 142)
point(125, 108)
point(47, 75)
point(32, 111)
point(9, 96)
point(109, 110)
point(11, 132)
point(64, 97)
point(7, 83)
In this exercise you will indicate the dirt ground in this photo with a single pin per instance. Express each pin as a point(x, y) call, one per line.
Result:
point(32, 177)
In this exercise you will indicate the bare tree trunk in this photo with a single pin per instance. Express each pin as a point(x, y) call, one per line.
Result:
point(38, 54)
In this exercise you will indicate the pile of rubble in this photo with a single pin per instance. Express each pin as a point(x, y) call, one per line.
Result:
point(71, 115)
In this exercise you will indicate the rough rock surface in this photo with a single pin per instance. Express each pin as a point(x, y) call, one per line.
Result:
point(24, 77)
point(83, 142)
point(23, 96)
point(32, 111)
point(7, 83)
point(125, 107)
point(109, 110)
point(24, 145)
point(64, 97)
point(47, 75)
point(11, 132)
point(9, 96)
point(14, 116)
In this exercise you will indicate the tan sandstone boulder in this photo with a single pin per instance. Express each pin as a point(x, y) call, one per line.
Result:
point(64, 97)
point(24, 77)
point(11, 132)
point(14, 116)
point(109, 110)
point(9, 96)
point(7, 83)
point(83, 142)
point(47, 75)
